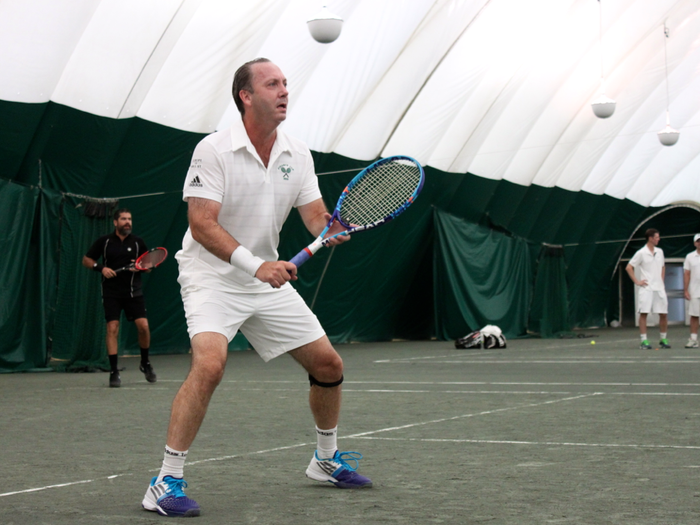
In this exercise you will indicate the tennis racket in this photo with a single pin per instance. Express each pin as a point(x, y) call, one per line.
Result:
point(379, 193)
point(147, 261)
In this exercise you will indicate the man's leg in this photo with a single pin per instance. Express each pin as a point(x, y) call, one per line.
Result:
point(663, 331)
point(209, 352)
point(325, 368)
point(693, 341)
point(322, 362)
point(144, 335)
point(165, 494)
point(112, 337)
point(643, 332)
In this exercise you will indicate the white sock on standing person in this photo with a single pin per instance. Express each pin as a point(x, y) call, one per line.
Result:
point(173, 464)
point(663, 335)
point(326, 442)
point(643, 337)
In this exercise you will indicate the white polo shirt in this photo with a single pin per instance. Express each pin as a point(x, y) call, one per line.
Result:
point(650, 266)
point(255, 202)
point(692, 263)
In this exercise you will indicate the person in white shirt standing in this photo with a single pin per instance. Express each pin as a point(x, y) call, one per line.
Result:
point(649, 260)
point(240, 188)
point(691, 289)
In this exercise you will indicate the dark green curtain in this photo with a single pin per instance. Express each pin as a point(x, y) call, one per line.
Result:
point(79, 330)
point(27, 285)
point(481, 277)
point(549, 313)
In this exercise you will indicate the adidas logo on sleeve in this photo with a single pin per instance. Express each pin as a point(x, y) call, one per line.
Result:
point(196, 183)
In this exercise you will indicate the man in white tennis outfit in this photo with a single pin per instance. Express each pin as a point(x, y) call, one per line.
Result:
point(649, 260)
point(691, 289)
point(241, 186)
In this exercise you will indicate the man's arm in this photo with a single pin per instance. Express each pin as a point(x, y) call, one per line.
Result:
point(630, 272)
point(203, 216)
point(90, 265)
point(315, 217)
point(686, 284)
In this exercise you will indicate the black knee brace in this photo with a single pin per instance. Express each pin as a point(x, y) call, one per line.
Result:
point(313, 381)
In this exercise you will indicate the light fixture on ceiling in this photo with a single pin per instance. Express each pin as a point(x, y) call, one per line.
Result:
point(603, 106)
point(324, 26)
point(667, 136)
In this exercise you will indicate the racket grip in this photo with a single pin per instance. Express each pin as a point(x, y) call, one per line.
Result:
point(301, 257)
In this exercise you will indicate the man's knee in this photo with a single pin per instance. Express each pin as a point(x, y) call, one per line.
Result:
point(112, 328)
point(328, 369)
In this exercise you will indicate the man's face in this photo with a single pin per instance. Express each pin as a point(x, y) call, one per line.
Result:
point(269, 97)
point(123, 224)
point(697, 245)
point(655, 239)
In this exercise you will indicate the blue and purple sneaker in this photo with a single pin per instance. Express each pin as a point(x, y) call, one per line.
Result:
point(168, 499)
point(338, 471)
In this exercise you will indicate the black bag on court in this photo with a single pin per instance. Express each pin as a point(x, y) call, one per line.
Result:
point(490, 336)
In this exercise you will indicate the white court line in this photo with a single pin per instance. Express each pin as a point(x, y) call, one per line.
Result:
point(456, 383)
point(541, 443)
point(624, 361)
point(298, 445)
point(59, 485)
point(486, 412)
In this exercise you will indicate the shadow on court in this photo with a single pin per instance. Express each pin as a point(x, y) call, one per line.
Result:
point(544, 431)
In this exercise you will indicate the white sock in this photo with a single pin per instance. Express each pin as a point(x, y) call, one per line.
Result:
point(173, 464)
point(694, 337)
point(326, 442)
point(663, 335)
point(643, 337)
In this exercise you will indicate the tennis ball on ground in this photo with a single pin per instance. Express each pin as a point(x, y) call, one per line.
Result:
point(592, 342)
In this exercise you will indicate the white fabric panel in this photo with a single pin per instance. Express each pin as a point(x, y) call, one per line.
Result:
point(290, 46)
point(193, 87)
point(36, 41)
point(498, 88)
point(347, 75)
point(378, 116)
point(111, 53)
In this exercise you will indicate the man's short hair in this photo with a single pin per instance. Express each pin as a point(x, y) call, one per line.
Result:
point(243, 80)
point(119, 212)
point(650, 233)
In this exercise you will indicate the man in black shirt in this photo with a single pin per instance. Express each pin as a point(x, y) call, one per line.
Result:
point(121, 290)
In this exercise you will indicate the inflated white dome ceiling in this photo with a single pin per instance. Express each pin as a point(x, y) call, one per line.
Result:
point(499, 88)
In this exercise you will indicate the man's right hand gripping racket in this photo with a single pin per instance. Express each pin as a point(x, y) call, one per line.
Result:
point(378, 194)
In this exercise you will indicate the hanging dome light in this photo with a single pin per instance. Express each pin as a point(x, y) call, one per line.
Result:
point(667, 136)
point(325, 27)
point(603, 106)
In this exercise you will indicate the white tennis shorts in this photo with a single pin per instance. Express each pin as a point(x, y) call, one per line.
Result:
point(273, 322)
point(652, 302)
point(694, 307)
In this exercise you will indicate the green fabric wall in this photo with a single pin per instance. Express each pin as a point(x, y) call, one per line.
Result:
point(424, 275)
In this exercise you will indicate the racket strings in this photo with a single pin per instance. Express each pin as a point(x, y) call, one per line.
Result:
point(151, 259)
point(381, 193)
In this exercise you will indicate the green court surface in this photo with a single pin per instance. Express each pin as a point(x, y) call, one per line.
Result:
point(544, 431)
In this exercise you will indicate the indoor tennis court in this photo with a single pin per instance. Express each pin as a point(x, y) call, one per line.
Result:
point(544, 431)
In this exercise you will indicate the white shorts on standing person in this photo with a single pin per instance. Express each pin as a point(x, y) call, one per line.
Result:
point(647, 270)
point(691, 290)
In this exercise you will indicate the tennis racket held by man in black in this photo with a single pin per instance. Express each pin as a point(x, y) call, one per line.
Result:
point(147, 261)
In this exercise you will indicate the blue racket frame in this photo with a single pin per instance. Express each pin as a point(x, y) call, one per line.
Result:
point(308, 252)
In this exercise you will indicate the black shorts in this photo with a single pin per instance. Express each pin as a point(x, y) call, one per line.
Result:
point(134, 308)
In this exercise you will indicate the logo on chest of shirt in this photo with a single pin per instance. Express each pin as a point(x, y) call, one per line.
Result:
point(286, 169)
point(196, 183)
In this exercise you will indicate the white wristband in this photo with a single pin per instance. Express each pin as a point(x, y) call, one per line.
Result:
point(242, 259)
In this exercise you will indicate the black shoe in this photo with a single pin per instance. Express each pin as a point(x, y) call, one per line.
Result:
point(114, 380)
point(147, 370)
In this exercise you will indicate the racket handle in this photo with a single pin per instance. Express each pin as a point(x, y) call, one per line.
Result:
point(301, 257)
